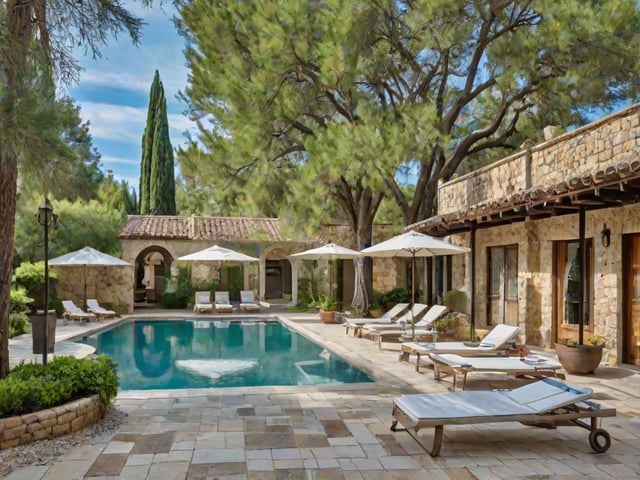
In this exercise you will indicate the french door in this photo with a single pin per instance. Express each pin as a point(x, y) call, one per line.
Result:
point(502, 296)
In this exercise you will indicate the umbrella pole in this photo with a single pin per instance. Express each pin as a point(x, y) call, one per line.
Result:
point(84, 303)
point(413, 295)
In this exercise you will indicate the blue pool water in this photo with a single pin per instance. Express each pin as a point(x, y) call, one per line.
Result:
point(173, 354)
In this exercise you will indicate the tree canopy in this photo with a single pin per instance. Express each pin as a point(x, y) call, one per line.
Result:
point(36, 41)
point(389, 92)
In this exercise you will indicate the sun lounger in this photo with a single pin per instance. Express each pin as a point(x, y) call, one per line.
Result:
point(497, 339)
point(389, 317)
point(454, 365)
point(73, 312)
point(222, 302)
point(248, 302)
point(94, 307)
point(546, 403)
point(423, 328)
point(203, 303)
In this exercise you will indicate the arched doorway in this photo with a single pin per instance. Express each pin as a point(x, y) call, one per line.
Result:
point(152, 268)
point(277, 282)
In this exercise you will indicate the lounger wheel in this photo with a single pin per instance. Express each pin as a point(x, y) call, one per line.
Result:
point(600, 440)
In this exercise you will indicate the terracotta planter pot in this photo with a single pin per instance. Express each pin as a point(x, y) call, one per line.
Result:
point(327, 317)
point(579, 359)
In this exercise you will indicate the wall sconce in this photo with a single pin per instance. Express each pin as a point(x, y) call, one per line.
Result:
point(606, 236)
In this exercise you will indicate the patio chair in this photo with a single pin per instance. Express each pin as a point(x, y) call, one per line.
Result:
point(422, 328)
point(546, 403)
point(222, 302)
point(203, 303)
point(73, 312)
point(388, 317)
point(248, 302)
point(531, 366)
point(498, 339)
point(94, 307)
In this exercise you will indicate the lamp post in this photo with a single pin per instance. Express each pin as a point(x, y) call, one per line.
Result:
point(48, 219)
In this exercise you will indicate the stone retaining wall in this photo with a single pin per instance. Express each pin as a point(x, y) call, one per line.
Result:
point(49, 423)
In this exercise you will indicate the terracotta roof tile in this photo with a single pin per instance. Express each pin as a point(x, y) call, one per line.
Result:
point(201, 228)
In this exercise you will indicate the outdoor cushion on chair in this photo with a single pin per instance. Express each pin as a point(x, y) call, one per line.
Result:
point(497, 339)
point(73, 312)
point(389, 317)
point(247, 301)
point(203, 302)
point(547, 403)
point(222, 303)
point(100, 312)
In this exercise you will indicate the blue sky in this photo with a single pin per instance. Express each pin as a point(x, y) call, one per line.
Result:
point(113, 91)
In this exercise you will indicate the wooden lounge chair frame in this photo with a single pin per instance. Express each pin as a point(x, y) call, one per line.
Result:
point(247, 301)
point(73, 312)
point(98, 310)
point(222, 303)
point(505, 334)
point(570, 413)
point(203, 302)
point(389, 318)
point(454, 365)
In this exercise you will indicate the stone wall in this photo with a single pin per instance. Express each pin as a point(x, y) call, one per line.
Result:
point(580, 151)
point(109, 285)
point(49, 423)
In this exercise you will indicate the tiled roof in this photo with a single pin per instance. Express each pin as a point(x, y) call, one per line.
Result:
point(201, 228)
point(614, 185)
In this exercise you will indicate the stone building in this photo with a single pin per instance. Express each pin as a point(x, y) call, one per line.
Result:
point(533, 218)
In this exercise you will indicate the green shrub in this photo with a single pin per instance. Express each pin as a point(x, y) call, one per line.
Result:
point(397, 295)
point(30, 276)
point(18, 324)
point(19, 300)
point(30, 387)
point(456, 301)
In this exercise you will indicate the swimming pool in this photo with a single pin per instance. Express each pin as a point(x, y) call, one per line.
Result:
point(176, 354)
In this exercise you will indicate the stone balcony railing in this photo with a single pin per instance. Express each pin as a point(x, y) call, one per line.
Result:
point(572, 154)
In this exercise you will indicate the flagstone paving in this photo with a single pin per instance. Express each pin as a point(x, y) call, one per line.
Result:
point(340, 431)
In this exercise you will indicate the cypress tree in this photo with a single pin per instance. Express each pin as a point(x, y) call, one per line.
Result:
point(157, 182)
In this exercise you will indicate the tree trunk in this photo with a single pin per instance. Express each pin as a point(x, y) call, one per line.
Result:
point(8, 185)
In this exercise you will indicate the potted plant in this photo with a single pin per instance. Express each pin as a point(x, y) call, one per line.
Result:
point(376, 308)
point(393, 297)
point(580, 359)
point(328, 308)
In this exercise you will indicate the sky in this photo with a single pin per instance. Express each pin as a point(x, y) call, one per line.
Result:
point(113, 91)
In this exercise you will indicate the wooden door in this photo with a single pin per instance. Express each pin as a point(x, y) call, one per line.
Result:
point(631, 299)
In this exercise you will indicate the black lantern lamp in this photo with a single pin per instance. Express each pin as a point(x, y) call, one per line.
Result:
point(49, 220)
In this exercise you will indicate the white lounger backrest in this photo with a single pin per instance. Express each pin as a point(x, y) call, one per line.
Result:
point(203, 298)
point(418, 310)
point(433, 314)
point(222, 298)
point(499, 335)
point(71, 307)
point(393, 313)
point(548, 393)
point(246, 296)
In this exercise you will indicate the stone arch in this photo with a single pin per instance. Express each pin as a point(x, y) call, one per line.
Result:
point(152, 266)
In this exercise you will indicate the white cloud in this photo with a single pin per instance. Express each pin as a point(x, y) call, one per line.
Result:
point(125, 124)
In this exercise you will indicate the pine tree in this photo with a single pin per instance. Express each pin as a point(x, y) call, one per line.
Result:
point(157, 182)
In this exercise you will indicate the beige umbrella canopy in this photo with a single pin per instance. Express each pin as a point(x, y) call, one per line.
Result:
point(219, 254)
point(329, 252)
point(412, 245)
point(87, 257)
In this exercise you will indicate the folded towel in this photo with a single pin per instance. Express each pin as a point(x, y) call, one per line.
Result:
point(426, 345)
point(487, 344)
point(471, 344)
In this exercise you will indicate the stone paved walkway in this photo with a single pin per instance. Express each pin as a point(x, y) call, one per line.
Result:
point(341, 432)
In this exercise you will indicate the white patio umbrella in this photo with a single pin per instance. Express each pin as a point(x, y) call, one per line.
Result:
point(411, 245)
point(329, 252)
point(219, 254)
point(87, 257)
